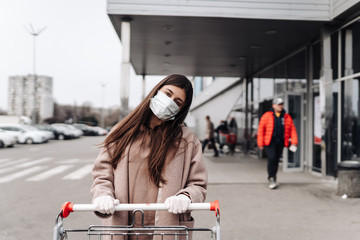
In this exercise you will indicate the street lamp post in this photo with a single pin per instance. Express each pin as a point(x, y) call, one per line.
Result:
point(102, 123)
point(34, 33)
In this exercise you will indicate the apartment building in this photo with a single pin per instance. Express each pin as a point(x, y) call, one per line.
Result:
point(31, 93)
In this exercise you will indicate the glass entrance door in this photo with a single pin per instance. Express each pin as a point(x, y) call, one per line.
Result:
point(293, 103)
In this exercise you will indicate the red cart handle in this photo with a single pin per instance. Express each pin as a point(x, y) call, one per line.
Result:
point(215, 206)
point(66, 208)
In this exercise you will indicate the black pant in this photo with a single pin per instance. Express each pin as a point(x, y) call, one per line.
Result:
point(206, 141)
point(274, 151)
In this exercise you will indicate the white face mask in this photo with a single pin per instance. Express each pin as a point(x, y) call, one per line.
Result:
point(163, 107)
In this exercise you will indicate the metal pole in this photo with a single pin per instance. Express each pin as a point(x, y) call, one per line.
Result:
point(35, 80)
point(34, 33)
point(247, 80)
point(34, 54)
point(102, 123)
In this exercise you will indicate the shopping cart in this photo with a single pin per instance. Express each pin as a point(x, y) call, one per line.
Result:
point(121, 232)
point(229, 140)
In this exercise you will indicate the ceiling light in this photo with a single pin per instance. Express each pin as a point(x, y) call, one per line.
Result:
point(166, 63)
point(254, 46)
point(271, 31)
point(241, 58)
point(168, 27)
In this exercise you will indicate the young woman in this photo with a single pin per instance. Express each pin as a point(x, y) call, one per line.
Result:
point(151, 157)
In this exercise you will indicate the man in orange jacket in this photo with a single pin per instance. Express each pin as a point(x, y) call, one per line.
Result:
point(276, 128)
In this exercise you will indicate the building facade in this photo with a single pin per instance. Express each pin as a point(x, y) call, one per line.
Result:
point(307, 52)
point(31, 93)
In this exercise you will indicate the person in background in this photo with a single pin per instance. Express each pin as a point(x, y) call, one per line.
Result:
point(151, 157)
point(276, 128)
point(233, 129)
point(233, 125)
point(210, 136)
point(222, 128)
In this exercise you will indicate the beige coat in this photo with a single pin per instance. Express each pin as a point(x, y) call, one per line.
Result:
point(186, 172)
point(209, 133)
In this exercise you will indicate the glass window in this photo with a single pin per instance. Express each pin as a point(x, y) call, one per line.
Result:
point(350, 117)
point(356, 46)
point(350, 120)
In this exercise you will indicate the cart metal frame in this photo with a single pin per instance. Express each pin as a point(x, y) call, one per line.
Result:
point(121, 232)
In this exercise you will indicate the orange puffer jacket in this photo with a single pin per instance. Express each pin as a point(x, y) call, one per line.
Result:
point(266, 128)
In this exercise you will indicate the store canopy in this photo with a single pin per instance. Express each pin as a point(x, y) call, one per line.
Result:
point(212, 46)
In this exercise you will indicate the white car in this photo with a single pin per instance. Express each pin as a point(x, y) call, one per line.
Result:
point(25, 133)
point(49, 135)
point(7, 139)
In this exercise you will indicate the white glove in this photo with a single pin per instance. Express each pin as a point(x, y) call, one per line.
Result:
point(105, 204)
point(177, 204)
point(293, 148)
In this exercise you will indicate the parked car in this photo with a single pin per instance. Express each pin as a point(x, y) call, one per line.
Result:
point(25, 133)
point(7, 139)
point(62, 132)
point(56, 133)
point(100, 131)
point(49, 134)
point(87, 130)
point(75, 133)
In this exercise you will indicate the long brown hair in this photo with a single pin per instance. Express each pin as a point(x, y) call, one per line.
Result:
point(165, 138)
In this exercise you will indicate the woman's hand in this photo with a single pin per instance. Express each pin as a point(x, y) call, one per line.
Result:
point(105, 204)
point(177, 204)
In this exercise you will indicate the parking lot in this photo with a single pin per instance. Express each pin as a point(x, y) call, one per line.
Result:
point(36, 179)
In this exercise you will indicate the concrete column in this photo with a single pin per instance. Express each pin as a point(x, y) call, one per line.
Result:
point(326, 95)
point(125, 66)
point(143, 87)
point(309, 135)
point(339, 101)
point(348, 92)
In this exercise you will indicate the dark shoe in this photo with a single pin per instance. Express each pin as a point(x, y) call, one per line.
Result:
point(215, 155)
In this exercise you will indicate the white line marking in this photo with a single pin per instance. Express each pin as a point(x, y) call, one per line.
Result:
point(80, 173)
point(68, 161)
point(49, 173)
point(8, 169)
point(41, 160)
point(4, 160)
point(14, 162)
point(20, 174)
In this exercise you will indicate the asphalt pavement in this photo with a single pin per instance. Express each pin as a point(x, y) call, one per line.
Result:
point(305, 206)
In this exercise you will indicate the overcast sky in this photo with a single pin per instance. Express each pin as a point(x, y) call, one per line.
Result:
point(79, 49)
